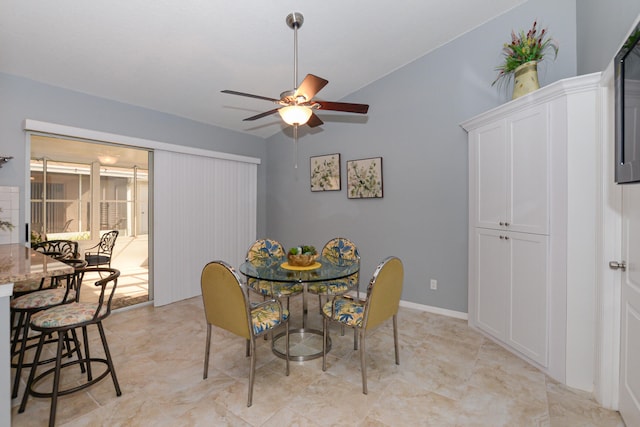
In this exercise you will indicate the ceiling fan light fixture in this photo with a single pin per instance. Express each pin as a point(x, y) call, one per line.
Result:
point(295, 114)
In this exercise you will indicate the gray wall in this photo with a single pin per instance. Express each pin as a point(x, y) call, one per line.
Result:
point(22, 99)
point(602, 27)
point(413, 124)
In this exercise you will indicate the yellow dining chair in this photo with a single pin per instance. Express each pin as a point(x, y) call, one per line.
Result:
point(383, 300)
point(227, 306)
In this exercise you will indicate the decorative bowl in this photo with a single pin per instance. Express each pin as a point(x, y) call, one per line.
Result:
point(302, 260)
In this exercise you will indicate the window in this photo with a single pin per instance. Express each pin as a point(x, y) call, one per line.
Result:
point(62, 197)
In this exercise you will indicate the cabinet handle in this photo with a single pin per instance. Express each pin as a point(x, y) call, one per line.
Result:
point(501, 223)
point(501, 237)
point(506, 237)
point(614, 265)
point(506, 224)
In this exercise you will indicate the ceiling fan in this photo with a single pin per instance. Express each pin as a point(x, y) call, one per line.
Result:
point(296, 107)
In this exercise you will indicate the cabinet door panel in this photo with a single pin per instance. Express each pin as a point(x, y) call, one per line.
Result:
point(489, 143)
point(528, 330)
point(528, 198)
point(491, 287)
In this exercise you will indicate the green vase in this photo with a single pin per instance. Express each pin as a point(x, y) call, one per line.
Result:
point(525, 79)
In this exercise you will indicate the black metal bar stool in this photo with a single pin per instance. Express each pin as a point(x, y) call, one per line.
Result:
point(64, 290)
point(70, 317)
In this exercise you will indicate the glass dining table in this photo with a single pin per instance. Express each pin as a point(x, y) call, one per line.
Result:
point(305, 342)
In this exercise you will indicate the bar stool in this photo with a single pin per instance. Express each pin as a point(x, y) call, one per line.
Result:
point(27, 305)
point(65, 318)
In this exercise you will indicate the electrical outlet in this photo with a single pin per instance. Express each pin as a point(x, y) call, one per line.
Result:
point(434, 284)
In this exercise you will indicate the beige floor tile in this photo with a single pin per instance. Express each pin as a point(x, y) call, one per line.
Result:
point(449, 375)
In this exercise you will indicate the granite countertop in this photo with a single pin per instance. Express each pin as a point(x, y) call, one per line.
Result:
point(17, 263)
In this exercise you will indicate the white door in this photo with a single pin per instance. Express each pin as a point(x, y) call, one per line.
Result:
point(528, 294)
point(491, 276)
point(528, 168)
point(630, 307)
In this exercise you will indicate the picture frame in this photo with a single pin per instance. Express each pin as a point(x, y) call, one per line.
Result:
point(364, 178)
point(325, 172)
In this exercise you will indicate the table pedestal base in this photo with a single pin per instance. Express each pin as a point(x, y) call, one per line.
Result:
point(304, 344)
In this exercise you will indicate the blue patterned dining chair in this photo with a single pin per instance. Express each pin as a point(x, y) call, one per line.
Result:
point(265, 251)
point(382, 302)
point(336, 250)
point(227, 306)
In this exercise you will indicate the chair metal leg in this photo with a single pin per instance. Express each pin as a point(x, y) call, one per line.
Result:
point(17, 329)
point(32, 374)
point(325, 327)
point(395, 338)
point(56, 381)
point(252, 371)
point(107, 354)
point(87, 354)
point(363, 365)
point(207, 347)
point(76, 342)
point(355, 338)
point(287, 348)
point(26, 318)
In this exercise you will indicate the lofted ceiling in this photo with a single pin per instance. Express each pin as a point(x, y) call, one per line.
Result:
point(176, 56)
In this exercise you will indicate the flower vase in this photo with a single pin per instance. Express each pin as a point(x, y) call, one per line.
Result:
point(525, 79)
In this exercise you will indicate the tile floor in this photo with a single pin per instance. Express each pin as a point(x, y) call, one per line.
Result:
point(448, 375)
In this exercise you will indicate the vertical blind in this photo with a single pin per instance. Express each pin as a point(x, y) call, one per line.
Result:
point(204, 210)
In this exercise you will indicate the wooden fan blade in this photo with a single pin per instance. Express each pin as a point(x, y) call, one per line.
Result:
point(343, 106)
point(261, 115)
point(314, 121)
point(310, 86)
point(249, 95)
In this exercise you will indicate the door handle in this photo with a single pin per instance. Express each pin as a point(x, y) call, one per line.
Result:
point(614, 265)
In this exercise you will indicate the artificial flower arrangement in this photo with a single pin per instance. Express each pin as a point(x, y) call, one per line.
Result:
point(525, 47)
point(302, 255)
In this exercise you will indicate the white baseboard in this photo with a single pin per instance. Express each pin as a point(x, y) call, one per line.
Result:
point(435, 310)
point(422, 307)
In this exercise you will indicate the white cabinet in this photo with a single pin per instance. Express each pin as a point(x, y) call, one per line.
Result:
point(532, 216)
point(509, 214)
point(511, 289)
point(511, 172)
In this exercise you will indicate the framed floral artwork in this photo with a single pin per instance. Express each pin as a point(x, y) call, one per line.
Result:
point(325, 172)
point(364, 178)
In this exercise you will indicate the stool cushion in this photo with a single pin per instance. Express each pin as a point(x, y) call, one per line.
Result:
point(42, 299)
point(267, 317)
point(264, 287)
point(347, 311)
point(67, 315)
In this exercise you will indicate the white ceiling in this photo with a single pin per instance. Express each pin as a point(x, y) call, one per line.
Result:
point(176, 56)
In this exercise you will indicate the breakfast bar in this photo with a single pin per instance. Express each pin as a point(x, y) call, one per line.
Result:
point(18, 263)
